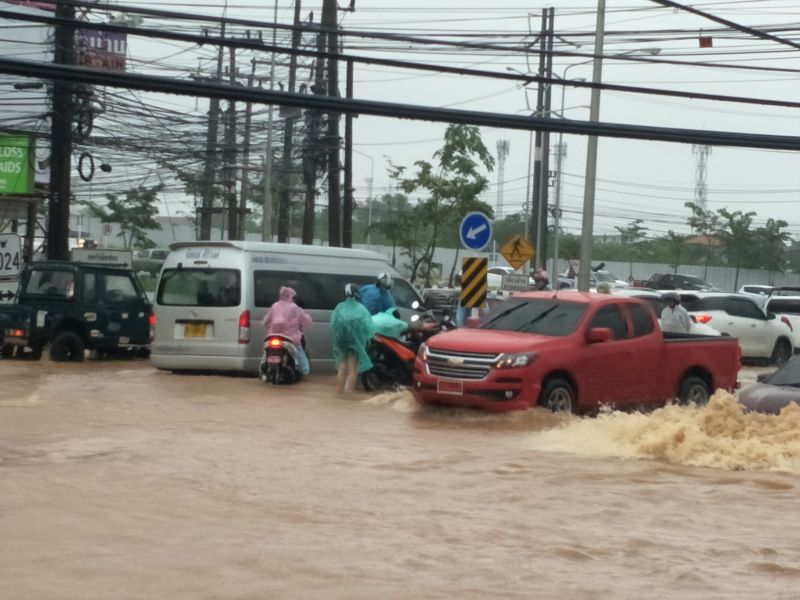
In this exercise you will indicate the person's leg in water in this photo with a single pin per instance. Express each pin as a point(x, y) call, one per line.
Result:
point(341, 373)
point(352, 372)
point(302, 361)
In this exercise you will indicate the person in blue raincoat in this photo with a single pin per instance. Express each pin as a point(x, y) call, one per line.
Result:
point(351, 329)
point(377, 296)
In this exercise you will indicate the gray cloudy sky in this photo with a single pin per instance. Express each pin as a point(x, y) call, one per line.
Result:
point(636, 179)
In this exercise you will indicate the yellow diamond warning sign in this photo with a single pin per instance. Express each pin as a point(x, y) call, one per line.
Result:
point(517, 251)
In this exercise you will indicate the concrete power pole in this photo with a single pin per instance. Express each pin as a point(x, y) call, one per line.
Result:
point(209, 171)
point(330, 25)
point(700, 188)
point(502, 154)
point(229, 171)
point(61, 142)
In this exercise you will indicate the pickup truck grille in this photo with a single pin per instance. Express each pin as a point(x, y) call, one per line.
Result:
point(460, 365)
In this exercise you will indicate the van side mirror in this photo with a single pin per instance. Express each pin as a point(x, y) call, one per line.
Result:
point(598, 335)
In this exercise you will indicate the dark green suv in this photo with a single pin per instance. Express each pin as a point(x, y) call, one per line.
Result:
point(75, 307)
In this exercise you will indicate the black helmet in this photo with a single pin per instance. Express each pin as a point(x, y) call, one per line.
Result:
point(384, 281)
point(351, 290)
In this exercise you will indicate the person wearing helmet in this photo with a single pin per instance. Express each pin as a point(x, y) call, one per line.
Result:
point(376, 296)
point(675, 318)
point(541, 282)
point(351, 329)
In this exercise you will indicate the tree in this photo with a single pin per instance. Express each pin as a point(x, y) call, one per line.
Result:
point(453, 186)
point(675, 245)
point(705, 223)
point(633, 235)
point(134, 214)
point(772, 242)
point(737, 237)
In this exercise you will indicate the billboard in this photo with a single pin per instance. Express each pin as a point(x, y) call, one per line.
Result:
point(101, 49)
point(17, 155)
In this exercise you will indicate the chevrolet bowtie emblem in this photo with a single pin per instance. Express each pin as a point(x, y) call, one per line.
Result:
point(455, 361)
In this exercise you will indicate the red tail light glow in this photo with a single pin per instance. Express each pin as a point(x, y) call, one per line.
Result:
point(702, 318)
point(274, 343)
point(244, 327)
point(788, 323)
point(152, 321)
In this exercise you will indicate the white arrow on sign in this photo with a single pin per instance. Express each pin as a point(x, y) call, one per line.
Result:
point(474, 231)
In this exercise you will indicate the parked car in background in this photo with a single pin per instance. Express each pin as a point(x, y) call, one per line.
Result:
point(773, 391)
point(565, 281)
point(679, 281)
point(759, 293)
point(784, 302)
point(656, 300)
point(761, 336)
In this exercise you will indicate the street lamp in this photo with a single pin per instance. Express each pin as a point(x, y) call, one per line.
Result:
point(587, 225)
point(369, 194)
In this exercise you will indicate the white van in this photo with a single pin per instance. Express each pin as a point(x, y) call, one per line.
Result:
point(212, 296)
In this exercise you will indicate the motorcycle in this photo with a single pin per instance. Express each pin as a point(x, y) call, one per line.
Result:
point(279, 363)
point(393, 359)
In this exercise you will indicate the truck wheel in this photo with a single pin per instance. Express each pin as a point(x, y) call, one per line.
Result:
point(558, 396)
point(66, 346)
point(781, 353)
point(7, 351)
point(36, 351)
point(693, 390)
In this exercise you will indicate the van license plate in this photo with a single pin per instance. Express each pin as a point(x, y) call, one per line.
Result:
point(445, 386)
point(194, 330)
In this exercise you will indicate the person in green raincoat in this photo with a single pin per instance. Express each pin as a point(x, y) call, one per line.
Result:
point(351, 329)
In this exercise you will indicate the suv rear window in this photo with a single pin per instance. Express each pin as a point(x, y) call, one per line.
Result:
point(200, 287)
point(784, 305)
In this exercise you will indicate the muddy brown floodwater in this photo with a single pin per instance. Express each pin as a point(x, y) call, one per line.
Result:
point(121, 482)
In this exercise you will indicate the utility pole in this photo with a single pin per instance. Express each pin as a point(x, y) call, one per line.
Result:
point(266, 221)
point(61, 140)
point(245, 189)
point(544, 179)
point(284, 200)
point(502, 154)
point(313, 148)
point(537, 152)
point(347, 209)
point(230, 157)
point(330, 24)
point(209, 171)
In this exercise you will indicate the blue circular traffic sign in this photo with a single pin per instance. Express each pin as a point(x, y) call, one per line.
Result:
point(475, 231)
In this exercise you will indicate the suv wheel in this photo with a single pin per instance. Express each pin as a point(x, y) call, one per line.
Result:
point(66, 346)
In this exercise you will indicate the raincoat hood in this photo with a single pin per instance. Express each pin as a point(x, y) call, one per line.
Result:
point(286, 293)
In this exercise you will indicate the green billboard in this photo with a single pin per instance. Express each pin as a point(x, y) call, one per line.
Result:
point(16, 164)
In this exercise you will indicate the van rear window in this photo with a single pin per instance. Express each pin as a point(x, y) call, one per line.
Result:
point(200, 287)
point(320, 291)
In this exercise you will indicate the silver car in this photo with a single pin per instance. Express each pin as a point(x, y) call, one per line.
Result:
point(775, 390)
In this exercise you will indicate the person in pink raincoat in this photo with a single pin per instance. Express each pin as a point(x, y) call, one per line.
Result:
point(286, 318)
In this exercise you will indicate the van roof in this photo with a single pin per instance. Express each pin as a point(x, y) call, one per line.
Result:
point(308, 250)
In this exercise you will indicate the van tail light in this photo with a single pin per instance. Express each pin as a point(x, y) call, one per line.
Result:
point(244, 327)
point(152, 321)
point(703, 319)
point(788, 323)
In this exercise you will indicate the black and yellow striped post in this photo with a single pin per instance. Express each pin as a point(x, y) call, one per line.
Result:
point(473, 282)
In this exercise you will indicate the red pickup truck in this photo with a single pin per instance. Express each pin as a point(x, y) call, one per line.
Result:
point(572, 351)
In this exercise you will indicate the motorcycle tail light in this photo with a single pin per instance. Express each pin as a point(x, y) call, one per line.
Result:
point(244, 327)
point(703, 318)
point(274, 343)
point(788, 323)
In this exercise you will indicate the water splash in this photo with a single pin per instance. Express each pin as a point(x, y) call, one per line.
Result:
point(718, 435)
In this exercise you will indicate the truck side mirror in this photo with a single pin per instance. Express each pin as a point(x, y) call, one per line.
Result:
point(598, 335)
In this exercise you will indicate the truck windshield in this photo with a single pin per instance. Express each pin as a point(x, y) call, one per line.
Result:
point(541, 316)
point(200, 287)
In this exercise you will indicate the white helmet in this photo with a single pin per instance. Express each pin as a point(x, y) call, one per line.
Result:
point(384, 281)
point(351, 290)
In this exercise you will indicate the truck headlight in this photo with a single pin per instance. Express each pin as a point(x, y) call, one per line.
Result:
point(509, 361)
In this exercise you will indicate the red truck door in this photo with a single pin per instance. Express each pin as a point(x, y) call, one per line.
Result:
point(611, 365)
point(647, 360)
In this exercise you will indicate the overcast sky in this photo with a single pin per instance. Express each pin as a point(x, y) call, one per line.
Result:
point(636, 179)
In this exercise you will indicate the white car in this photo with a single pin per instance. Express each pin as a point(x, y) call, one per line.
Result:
point(760, 336)
point(759, 293)
point(595, 277)
point(784, 302)
point(657, 302)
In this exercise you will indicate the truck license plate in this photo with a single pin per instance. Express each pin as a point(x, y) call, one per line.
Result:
point(194, 330)
point(447, 386)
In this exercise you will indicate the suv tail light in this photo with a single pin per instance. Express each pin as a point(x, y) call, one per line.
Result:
point(152, 321)
point(702, 318)
point(244, 327)
point(788, 323)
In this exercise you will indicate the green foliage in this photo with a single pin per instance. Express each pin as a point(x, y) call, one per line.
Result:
point(134, 214)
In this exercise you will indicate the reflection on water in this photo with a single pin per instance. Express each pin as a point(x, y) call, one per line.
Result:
point(719, 435)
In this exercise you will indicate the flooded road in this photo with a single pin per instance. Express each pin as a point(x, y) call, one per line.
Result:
point(118, 481)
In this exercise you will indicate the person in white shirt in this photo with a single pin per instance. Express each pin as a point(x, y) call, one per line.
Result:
point(675, 318)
